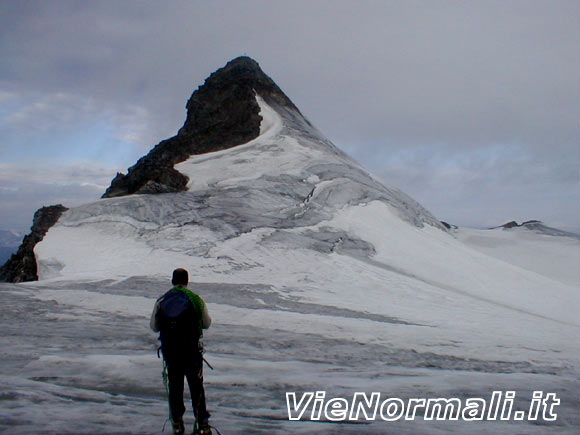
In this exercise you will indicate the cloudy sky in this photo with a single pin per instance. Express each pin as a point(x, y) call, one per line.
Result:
point(472, 108)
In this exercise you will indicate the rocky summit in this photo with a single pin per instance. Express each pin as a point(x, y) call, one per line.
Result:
point(221, 114)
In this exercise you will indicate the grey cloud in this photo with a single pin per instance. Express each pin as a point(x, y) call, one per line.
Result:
point(485, 191)
point(19, 205)
point(418, 72)
point(79, 172)
point(24, 189)
point(34, 119)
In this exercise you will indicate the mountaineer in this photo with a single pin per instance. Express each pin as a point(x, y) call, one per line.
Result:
point(180, 316)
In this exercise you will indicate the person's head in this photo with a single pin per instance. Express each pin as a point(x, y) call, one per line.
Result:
point(180, 277)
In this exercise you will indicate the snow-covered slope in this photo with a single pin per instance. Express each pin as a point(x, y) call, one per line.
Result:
point(554, 256)
point(288, 206)
point(289, 177)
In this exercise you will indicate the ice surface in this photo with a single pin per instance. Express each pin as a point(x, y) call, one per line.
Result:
point(556, 256)
point(81, 351)
point(317, 277)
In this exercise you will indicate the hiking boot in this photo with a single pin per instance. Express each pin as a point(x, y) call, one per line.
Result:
point(178, 428)
point(202, 429)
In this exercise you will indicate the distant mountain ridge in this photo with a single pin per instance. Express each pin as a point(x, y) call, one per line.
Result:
point(538, 227)
point(9, 242)
point(10, 238)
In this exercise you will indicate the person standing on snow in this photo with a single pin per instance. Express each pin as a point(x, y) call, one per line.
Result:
point(180, 317)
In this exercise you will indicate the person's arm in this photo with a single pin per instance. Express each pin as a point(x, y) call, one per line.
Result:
point(153, 322)
point(205, 319)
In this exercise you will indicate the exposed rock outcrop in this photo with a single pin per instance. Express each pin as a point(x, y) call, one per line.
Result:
point(538, 227)
point(448, 226)
point(514, 224)
point(221, 114)
point(508, 225)
point(21, 267)
point(533, 221)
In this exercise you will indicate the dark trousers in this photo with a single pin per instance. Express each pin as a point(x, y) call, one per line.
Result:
point(185, 363)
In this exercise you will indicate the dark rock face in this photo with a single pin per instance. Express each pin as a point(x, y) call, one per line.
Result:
point(221, 114)
point(448, 226)
point(533, 221)
point(511, 224)
point(514, 224)
point(21, 267)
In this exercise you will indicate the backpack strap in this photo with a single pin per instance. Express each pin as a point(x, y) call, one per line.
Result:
point(196, 302)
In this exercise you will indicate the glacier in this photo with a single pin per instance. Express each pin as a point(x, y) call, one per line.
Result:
point(317, 276)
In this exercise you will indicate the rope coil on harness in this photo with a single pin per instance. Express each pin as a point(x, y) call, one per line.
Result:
point(166, 384)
